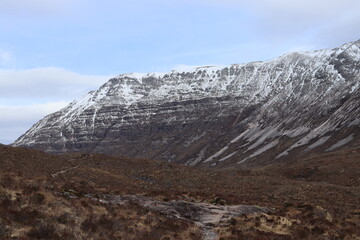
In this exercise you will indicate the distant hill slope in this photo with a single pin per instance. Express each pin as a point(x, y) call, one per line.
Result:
point(243, 114)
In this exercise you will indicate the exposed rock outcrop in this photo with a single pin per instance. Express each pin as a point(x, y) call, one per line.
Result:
point(251, 113)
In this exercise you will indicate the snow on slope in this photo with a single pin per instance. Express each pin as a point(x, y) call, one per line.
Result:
point(302, 96)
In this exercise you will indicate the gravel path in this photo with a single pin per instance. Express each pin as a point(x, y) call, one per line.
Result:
point(206, 216)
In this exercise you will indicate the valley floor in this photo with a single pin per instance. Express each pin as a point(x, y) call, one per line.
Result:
point(85, 196)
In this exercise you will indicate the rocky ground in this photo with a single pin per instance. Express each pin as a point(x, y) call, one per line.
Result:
point(84, 196)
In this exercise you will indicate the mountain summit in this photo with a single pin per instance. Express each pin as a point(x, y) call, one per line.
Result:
point(242, 114)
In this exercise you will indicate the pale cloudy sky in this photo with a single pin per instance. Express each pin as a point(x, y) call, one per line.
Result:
point(52, 52)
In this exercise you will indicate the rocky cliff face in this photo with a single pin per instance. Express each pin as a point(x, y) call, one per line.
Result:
point(243, 114)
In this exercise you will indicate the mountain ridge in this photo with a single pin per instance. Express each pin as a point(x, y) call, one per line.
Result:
point(291, 105)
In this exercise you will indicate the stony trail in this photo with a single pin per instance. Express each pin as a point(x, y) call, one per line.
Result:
point(206, 216)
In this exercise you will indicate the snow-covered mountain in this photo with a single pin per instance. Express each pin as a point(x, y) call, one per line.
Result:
point(254, 113)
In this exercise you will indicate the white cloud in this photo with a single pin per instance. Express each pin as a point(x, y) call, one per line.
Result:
point(318, 7)
point(38, 8)
point(306, 13)
point(322, 22)
point(19, 5)
point(6, 58)
point(26, 96)
point(15, 120)
point(46, 84)
point(16, 114)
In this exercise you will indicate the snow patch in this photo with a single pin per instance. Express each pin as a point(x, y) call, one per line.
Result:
point(324, 128)
point(356, 122)
point(340, 143)
point(296, 132)
point(261, 150)
point(217, 154)
point(250, 131)
point(319, 142)
point(193, 139)
point(268, 132)
point(200, 157)
point(227, 157)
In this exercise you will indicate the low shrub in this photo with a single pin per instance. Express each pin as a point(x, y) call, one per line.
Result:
point(43, 232)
